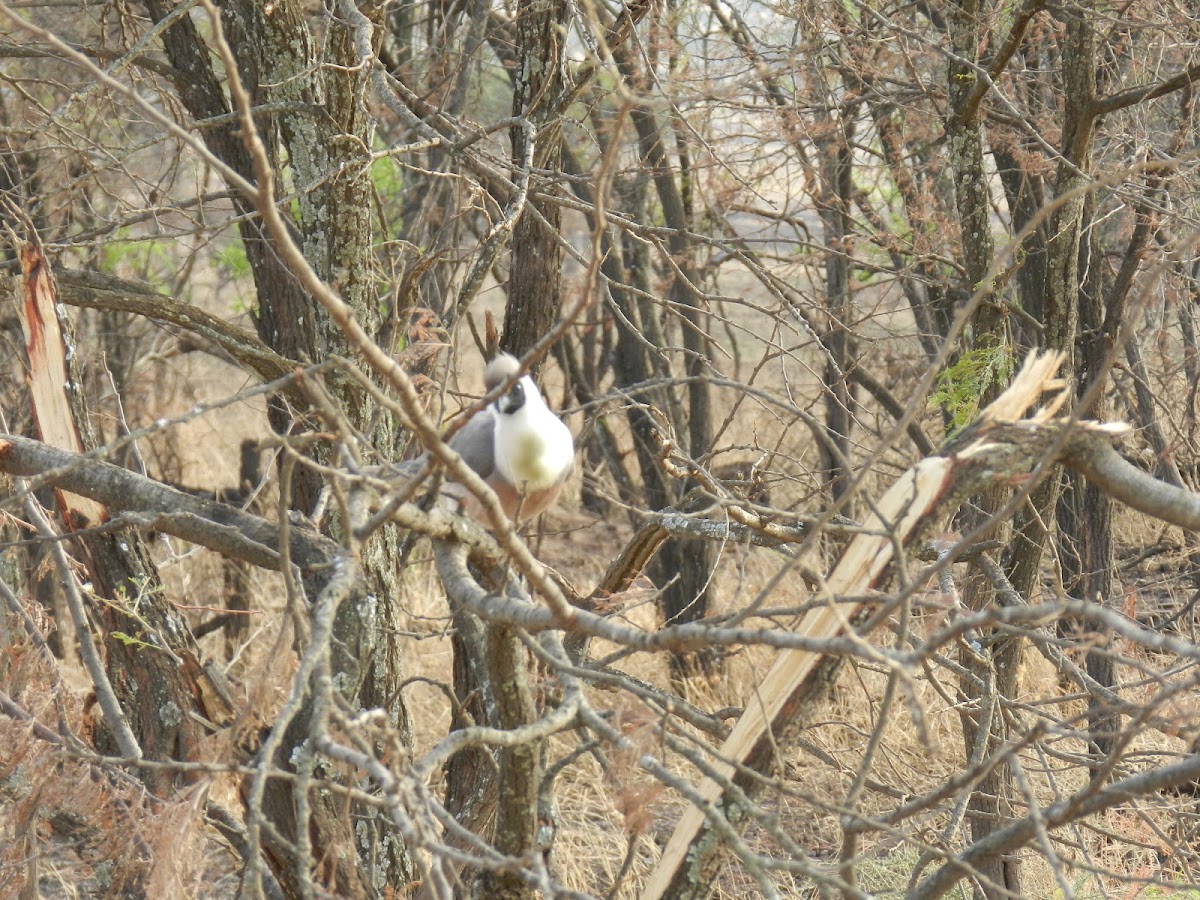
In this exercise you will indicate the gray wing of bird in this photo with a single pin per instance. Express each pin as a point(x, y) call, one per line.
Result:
point(474, 443)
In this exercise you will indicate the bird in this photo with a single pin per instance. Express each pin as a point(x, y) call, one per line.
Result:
point(517, 445)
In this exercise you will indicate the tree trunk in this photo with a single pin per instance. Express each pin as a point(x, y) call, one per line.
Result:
point(535, 282)
point(150, 656)
point(277, 62)
point(491, 667)
point(991, 804)
point(834, 207)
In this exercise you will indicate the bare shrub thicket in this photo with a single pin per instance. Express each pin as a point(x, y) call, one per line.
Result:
point(876, 326)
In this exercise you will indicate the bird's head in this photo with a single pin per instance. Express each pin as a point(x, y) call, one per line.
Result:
point(523, 394)
point(499, 370)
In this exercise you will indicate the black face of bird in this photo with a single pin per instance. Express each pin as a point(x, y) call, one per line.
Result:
point(513, 400)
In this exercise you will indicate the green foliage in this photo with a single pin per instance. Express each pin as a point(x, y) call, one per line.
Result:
point(961, 387)
point(387, 177)
point(146, 258)
point(128, 601)
point(233, 259)
point(130, 641)
point(388, 180)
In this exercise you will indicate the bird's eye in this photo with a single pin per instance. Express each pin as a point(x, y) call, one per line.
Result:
point(514, 399)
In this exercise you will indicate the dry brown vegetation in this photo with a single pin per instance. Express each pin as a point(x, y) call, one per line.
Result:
point(836, 603)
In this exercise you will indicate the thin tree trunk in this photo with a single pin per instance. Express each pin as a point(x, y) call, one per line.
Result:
point(991, 803)
point(150, 656)
point(534, 286)
point(835, 199)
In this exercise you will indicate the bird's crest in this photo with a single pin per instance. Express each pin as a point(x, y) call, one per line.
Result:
point(499, 370)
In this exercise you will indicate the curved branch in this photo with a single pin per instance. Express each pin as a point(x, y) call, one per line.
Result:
point(1086, 803)
point(1091, 456)
point(1134, 96)
point(219, 527)
point(91, 290)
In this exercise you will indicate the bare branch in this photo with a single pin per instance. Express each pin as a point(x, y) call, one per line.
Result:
point(217, 526)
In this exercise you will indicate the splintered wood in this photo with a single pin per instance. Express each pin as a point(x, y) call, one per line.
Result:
point(49, 379)
point(912, 506)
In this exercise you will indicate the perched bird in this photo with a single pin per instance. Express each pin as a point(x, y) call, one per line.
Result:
point(517, 445)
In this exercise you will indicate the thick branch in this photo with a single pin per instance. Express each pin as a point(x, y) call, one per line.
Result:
point(1134, 96)
point(225, 529)
point(1072, 809)
point(1092, 457)
point(998, 63)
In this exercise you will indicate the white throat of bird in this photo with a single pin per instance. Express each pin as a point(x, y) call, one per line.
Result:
point(533, 446)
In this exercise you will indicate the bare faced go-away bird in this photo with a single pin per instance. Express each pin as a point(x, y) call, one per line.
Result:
point(517, 445)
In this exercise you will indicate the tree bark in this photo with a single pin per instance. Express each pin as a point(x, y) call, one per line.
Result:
point(834, 206)
point(535, 282)
point(326, 133)
point(150, 656)
point(991, 803)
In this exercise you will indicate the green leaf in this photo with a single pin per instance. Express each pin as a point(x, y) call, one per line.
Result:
point(962, 386)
